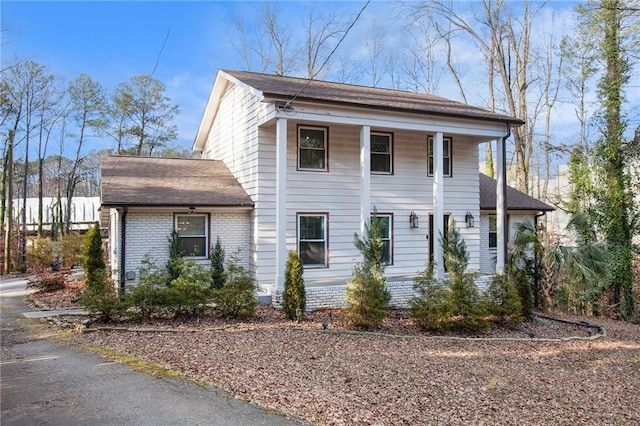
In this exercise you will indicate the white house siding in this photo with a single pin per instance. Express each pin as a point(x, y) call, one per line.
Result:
point(148, 233)
point(233, 138)
point(337, 193)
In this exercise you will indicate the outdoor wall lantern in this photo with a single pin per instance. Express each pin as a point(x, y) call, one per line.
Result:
point(468, 219)
point(192, 210)
point(413, 220)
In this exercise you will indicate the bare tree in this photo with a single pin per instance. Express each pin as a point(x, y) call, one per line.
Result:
point(505, 41)
point(285, 59)
point(87, 111)
point(320, 31)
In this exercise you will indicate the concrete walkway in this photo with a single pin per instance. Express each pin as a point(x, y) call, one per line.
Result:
point(46, 381)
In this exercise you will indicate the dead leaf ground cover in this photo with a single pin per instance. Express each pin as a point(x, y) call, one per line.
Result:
point(400, 376)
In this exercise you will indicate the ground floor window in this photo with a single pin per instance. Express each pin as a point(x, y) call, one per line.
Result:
point(386, 225)
point(312, 239)
point(493, 231)
point(193, 231)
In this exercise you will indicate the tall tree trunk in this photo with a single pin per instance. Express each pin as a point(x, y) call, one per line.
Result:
point(9, 216)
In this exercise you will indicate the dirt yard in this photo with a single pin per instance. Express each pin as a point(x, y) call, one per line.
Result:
point(398, 375)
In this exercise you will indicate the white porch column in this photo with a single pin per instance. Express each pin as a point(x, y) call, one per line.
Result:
point(438, 205)
point(501, 211)
point(281, 203)
point(365, 176)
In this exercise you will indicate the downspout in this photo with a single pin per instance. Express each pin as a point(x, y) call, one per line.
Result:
point(123, 250)
point(503, 213)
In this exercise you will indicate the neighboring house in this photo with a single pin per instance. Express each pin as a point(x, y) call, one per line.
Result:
point(520, 208)
point(307, 162)
point(84, 212)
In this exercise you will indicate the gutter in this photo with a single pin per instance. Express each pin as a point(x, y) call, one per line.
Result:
point(503, 213)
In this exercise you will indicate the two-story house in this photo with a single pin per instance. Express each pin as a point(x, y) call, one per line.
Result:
point(293, 164)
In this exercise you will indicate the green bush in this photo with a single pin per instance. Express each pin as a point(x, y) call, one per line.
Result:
point(429, 307)
point(218, 277)
point(149, 297)
point(175, 262)
point(237, 298)
point(367, 298)
point(101, 298)
point(190, 291)
point(40, 255)
point(294, 299)
point(93, 256)
point(523, 286)
point(502, 299)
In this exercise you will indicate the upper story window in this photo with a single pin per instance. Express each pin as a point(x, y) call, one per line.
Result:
point(312, 148)
point(446, 157)
point(381, 153)
point(193, 232)
point(312, 239)
point(493, 231)
point(385, 222)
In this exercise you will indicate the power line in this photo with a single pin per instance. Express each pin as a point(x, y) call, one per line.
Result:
point(164, 43)
point(288, 104)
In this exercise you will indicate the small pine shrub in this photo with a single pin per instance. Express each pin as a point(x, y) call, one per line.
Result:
point(367, 298)
point(502, 299)
point(101, 298)
point(93, 256)
point(40, 255)
point(429, 308)
point(190, 291)
point(237, 298)
point(294, 299)
point(463, 298)
point(175, 262)
point(217, 265)
point(521, 281)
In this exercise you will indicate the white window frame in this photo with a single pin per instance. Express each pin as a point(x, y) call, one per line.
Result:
point(388, 239)
point(447, 160)
point(325, 131)
point(389, 153)
point(176, 221)
point(495, 231)
point(324, 240)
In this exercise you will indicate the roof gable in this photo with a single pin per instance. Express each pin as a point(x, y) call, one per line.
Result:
point(153, 181)
point(516, 200)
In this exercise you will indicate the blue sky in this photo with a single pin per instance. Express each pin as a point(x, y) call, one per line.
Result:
point(113, 41)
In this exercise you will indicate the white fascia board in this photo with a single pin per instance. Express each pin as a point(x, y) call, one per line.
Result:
point(481, 130)
point(220, 86)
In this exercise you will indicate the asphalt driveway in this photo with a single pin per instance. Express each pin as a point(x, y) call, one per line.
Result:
point(43, 381)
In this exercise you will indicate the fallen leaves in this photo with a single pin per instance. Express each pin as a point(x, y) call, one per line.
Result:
point(334, 378)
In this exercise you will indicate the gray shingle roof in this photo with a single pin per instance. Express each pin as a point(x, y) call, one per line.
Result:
point(152, 181)
point(516, 200)
point(286, 88)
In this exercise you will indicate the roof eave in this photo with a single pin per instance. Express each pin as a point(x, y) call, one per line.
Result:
point(514, 122)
